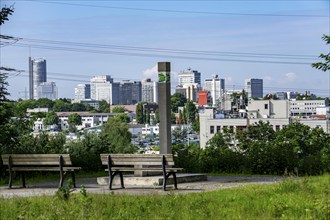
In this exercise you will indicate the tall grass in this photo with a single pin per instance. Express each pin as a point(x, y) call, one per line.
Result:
point(308, 198)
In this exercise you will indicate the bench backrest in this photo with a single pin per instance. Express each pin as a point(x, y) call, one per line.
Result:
point(137, 159)
point(36, 159)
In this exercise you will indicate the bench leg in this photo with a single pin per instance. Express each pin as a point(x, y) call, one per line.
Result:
point(61, 179)
point(23, 180)
point(165, 177)
point(175, 182)
point(121, 180)
point(111, 176)
point(10, 179)
point(73, 179)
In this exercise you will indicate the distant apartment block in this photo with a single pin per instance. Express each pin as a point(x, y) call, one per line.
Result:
point(279, 113)
point(82, 92)
point(190, 91)
point(149, 91)
point(189, 76)
point(37, 75)
point(130, 92)
point(216, 87)
point(47, 90)
point(254, 88)
point(306, 107)
point(88, 119)
point(103, 88)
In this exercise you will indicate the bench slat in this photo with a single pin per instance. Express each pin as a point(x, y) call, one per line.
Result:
point(44, 169)
point(142, 169)
point(36, 159)
point(136, 159)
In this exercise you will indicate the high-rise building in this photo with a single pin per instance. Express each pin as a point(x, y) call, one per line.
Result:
point(149, 91)
point(254, 88)
point(103, 88)
point(82, 92)
point(216, 87)
point(47, 90)
point(130, 92)
point(37, 75)
point(189, 76)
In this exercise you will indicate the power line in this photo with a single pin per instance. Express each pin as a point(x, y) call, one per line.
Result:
point(137, 54)
point(180, 11)
point(171, 50)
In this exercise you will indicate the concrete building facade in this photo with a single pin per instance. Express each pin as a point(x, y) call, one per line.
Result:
point(189, 76)
point(47, 90)
point(254, 88)
point(149, 91)
point(216, 87)
point(37, 75)
point(82, 92)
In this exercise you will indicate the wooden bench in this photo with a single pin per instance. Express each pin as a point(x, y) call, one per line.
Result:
point(159, 163)
point(22, 163)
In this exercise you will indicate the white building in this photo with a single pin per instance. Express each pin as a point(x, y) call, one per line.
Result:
point(276, 112)
point(149, 91)
point(103, 88)
point(268, 109)
point(189, 76)
point(47, 90)
point(306, 107)
point(82, 92)
point(88, 119)
point(216, 87)
point(254, 88)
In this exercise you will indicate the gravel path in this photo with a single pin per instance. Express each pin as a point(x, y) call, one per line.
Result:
point(213, 183)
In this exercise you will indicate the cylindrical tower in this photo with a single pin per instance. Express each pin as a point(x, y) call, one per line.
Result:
point(39, 74)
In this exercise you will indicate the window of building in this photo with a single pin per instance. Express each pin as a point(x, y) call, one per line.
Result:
point(212, 129)
point(218, 129)
point(277, 127)
point(266, 106)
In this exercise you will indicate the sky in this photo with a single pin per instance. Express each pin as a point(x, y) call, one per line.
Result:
point(273, 40)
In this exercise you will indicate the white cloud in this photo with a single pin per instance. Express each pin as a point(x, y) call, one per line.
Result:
point(151, 72)
point(291, 76)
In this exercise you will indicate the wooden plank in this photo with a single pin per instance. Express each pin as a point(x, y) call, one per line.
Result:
point(36, 159)
point(136, 159)
point(143, 169)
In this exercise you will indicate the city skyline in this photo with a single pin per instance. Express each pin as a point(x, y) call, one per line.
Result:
point(273, 41)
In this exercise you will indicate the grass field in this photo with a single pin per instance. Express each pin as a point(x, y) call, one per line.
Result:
point(308, 198)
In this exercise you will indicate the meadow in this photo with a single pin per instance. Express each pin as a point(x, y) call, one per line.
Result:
point(306, 198)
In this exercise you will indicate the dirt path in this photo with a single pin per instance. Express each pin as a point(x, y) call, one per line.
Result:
point(213, 183)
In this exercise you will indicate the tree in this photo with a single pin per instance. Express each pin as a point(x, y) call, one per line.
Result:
point(325, 66)
point(73, 121)
point(104, 106)
point(177, 99)
point(191, 112)
point(62, 106)
point(179, 134)
point(118, 109)
point(51, 119)
point(3, 88)
point(4, 14)
point(139, 113)
point(116, 136)
point(147, 114)
point(122, 117)
point(156, 119)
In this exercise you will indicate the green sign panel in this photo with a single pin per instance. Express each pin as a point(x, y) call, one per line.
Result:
point(164, 77)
